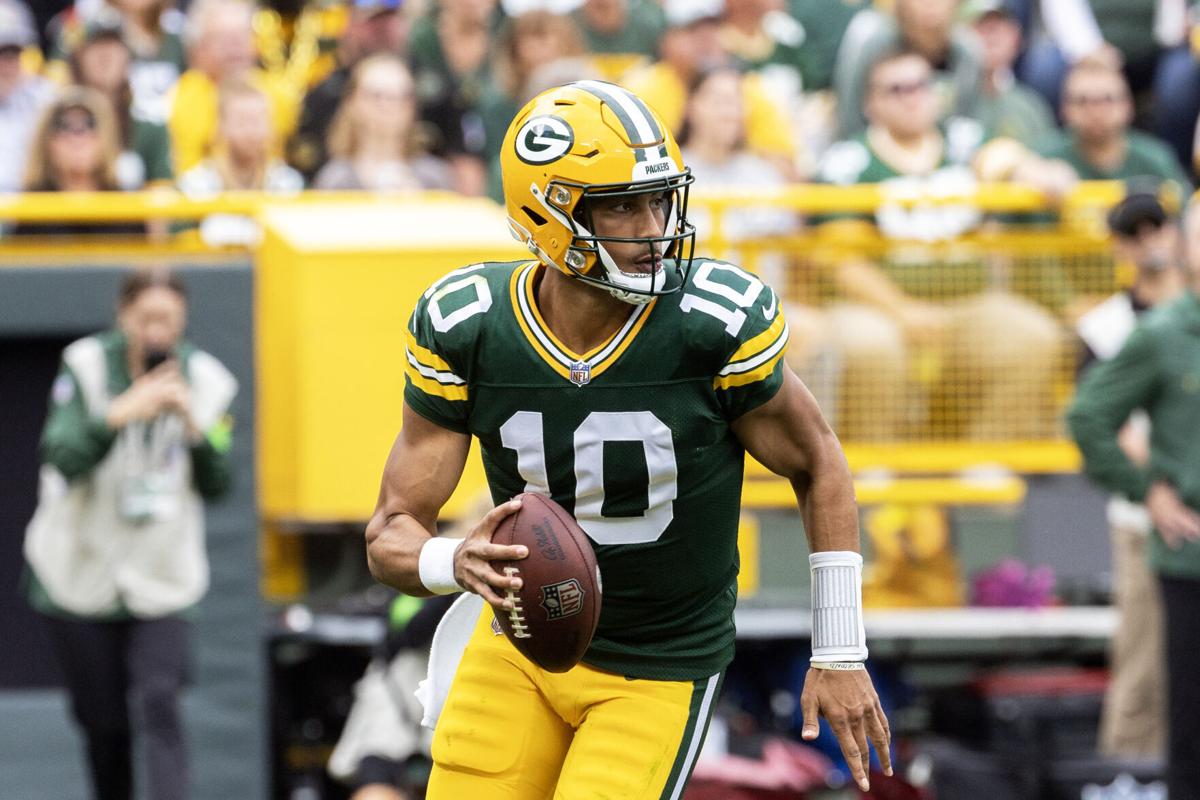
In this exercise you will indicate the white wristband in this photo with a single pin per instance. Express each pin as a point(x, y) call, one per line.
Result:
point(837, 621)
point(436, 565)
point(839, 666)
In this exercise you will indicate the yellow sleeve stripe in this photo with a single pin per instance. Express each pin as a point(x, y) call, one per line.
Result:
point(426, 356)
point(762, 341)
point(432, 387)
point(759, 373)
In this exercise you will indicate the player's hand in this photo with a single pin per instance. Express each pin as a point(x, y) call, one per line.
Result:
point(850, 705)
point(1175, 522)
point(472, 560)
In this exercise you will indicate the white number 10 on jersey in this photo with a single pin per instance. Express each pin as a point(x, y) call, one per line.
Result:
point(524, 433)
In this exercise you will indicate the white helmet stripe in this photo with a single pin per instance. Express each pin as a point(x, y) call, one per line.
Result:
point(647, 131)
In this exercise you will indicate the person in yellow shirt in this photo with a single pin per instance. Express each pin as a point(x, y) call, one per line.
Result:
point(220, 43)
point(690, 45)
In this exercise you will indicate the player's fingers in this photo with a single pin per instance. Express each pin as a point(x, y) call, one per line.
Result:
point(485, 591)
point(493, 518)
point(501, 580)
point(486, 551)
point(809, 707)
point(859, 728)
point(850, 749)
point(881, 737)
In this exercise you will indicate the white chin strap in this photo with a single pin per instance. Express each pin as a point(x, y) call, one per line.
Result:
point(640, 284)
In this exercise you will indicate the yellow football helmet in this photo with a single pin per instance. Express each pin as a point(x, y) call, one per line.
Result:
point(590, 138)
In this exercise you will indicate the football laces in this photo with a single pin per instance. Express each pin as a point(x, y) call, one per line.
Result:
point(516, 617)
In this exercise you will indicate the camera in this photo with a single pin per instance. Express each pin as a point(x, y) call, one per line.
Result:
point(154, 358)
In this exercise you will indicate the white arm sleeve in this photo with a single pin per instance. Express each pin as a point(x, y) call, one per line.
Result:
point(1072, 26)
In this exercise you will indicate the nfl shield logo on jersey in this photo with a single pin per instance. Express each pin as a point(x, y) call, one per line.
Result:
point(581, 373)
point(563, 599)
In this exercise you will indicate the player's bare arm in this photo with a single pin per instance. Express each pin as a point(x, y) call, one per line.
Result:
point(423, 468)
point(789, 436)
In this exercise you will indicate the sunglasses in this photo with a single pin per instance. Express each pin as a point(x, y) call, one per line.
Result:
point(10, 51)
point(74, 123)
point(905, 88)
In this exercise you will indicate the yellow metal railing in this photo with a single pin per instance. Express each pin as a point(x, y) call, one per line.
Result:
point(972, 362)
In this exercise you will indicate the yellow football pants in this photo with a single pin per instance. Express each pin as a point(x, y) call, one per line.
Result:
point(512, 731)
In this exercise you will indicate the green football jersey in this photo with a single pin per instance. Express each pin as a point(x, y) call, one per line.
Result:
point(633, 439)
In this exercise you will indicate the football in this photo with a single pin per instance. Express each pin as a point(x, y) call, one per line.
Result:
point(558, 606)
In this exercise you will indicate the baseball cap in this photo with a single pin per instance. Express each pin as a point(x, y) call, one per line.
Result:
point(973, 10)
point(1136, 209)
point(16, 25)
point(368, 7)
point(682, 13)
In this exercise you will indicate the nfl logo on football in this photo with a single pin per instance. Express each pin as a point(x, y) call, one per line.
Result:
point(563, 599)
point(581, 373)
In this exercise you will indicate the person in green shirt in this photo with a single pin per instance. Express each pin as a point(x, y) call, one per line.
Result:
point(928, 27)
point(1098, 142)
point(1146, 39)
point(449, 52)
point(136, 441)
point(1158, 370)
point(917, 304)
point(1005, 106)
point(621, 34)
point(102, 61)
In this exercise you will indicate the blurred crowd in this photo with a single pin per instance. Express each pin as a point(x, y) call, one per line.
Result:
point(282, 95)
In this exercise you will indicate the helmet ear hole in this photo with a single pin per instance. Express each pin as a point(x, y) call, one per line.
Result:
point(534, 217)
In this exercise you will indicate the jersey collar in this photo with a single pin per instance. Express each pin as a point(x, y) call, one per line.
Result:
point(561, 358)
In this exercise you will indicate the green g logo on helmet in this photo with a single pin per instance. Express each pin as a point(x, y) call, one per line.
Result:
point(543, 139)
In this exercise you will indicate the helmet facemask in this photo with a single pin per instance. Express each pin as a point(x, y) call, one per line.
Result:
point(589, 260)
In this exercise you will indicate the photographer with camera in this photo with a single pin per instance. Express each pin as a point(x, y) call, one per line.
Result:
point(136, 439)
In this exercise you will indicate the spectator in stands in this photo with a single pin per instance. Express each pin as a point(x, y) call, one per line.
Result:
point(22, 96)
point(824, 25)
point(1098, 143)
point(373, 137)
point(136, 440)
point(1004, 106)
point(449, 51)
point(243, 159)
point(1146, 39)
point(714, 146)
point(621, 34)
point(373, 26)
point(75, 150)
point(769, 41)
point(530, 44)
point(924, 26)
point(101, 61)
point(151, 30)
point(1156, 370)
point(1005, 346)
point(220, 49)
point(1133, 724)
point(692, 44)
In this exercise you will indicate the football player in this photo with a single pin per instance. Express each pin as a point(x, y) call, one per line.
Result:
point(626, 379)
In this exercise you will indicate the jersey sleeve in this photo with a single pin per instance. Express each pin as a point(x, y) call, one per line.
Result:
point(434, 385)
point(755, 335)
